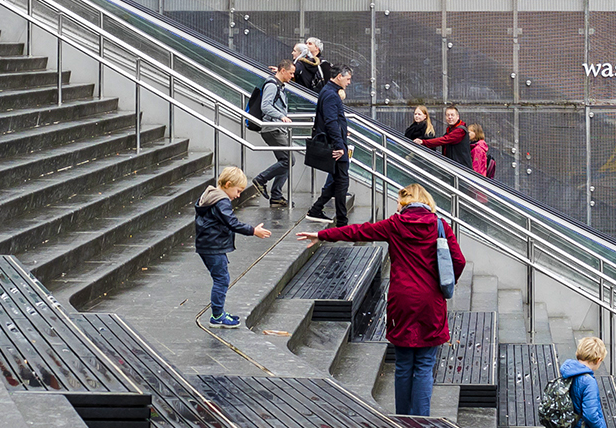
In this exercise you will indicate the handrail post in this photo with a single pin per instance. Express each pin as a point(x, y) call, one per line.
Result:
point(530, 282)
point(385, 185)
point(455, 208)
point(29, 31)
point(171, 95)
point(216, 140)
point(59, 58)
point(101, 53)
point(602, 298)
point(138, 105)
point(243, 135)
point(373, 205)
point(290, 178)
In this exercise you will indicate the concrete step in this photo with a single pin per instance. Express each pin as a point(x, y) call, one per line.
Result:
point(22, 168)
point(511, 319)
point(35, 139)
point(477, 418)
point(11, 49)
point(11, 414)
point(485, 294)
point(292, 316)
point(31, 97)
point(35, 409)
point(52, 188)
point(59, 254)
point(461, 300)
point(16, 120)
point(32, 79)
point(563, 337)
point(94, 278)
point(22, 63)
point(359, 368)
point(35, 227)
point(323, 343)
point(542, 324)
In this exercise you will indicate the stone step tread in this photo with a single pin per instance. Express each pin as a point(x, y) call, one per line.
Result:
point(32, 57)
point(105, 224)
point(65, 106)
point(359, 367)
point(290, 316)
point(511, 318)
point(107, 192)
point(542, 324)
point(461, 300)
point(323, 342)
point(63, 126)
point(116, 256)
point(23, 160)
point(38, 89)
point(74, 173)
point(485, 294)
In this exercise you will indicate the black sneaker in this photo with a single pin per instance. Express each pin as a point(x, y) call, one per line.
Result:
point(282, 202)
point(261, 189)
point(320, 217)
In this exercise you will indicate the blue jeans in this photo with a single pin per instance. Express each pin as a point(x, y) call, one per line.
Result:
point(217, 265)
point(414, 379)
point(280, 170)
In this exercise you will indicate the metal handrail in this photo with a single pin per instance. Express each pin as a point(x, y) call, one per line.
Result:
point(387, 156)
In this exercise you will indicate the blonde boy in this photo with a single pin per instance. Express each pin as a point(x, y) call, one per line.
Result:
point(584, 388)
point(216, 226)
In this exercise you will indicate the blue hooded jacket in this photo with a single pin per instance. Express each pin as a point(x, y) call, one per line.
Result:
point(584, 393)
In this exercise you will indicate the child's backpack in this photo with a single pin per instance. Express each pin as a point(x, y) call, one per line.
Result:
point(490, 167)
point(556, 407)
point(254, 104)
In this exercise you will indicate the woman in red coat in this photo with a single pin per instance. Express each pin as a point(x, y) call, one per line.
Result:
point(416, 308)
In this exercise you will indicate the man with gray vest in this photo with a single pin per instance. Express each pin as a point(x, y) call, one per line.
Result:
point(275, 109)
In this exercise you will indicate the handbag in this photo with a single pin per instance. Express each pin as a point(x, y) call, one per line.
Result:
point(447, 278)
point(319, 153)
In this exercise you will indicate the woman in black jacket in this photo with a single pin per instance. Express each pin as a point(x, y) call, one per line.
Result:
point(421, 126)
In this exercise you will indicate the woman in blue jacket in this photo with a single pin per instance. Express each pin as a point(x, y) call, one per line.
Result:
point(584, 388)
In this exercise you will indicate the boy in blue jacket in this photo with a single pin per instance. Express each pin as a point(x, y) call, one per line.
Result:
point(216, 226)
point(584, 390)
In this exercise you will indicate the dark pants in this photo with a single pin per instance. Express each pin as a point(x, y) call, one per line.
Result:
point(280, 170)
point(414, 380)
point(217, 264)
point(336, 189)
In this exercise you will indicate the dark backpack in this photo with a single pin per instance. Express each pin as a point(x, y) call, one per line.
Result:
point(556, 407)
point(254, 104)
point(490, 167)
point(318, 81)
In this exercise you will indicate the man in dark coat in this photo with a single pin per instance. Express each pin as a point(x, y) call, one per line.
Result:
point(456, 143)
point(330, 120)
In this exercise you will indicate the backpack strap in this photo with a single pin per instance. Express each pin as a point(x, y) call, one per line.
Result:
point(278, 89)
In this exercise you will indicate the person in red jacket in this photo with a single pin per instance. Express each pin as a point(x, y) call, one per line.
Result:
point(455, 142)
point(416, 308)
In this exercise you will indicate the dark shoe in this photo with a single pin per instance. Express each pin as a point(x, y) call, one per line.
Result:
point(261, 189)
point(320, 217)
point(340, 224)
point(282, 202)
point(224, 320)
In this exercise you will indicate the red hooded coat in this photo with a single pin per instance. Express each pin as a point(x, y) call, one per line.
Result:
point(416, 308)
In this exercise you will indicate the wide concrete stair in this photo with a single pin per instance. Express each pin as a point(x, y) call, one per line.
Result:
point(80, 207)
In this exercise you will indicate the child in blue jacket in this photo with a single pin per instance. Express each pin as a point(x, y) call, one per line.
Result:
point(584, 388)
point(216, 226)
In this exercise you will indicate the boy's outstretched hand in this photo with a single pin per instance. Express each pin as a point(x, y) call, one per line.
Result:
point(261, 232)
point(312, 236)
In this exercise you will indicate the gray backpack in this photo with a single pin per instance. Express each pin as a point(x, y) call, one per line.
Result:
point(556, 406)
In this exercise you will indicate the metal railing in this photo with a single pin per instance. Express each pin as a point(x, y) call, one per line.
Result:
point(378, 157)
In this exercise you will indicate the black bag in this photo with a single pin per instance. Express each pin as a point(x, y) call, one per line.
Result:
point(319, 153)
point(490, 167)
point(254, 104)
point(318, 81)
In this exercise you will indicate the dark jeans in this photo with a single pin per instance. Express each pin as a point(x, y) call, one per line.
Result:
point(414, 379)
point(219, 271)
point(280, 170)
point(337, 189)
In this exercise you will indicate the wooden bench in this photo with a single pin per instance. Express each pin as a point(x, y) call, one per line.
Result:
point(256, 402)
point(96, 360)
point(524, 371)
point(337, 278)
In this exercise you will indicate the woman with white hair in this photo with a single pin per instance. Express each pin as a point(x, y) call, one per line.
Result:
point(306, 66)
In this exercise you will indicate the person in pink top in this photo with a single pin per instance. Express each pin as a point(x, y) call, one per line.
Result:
point(416, 308)
point(479, 149)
